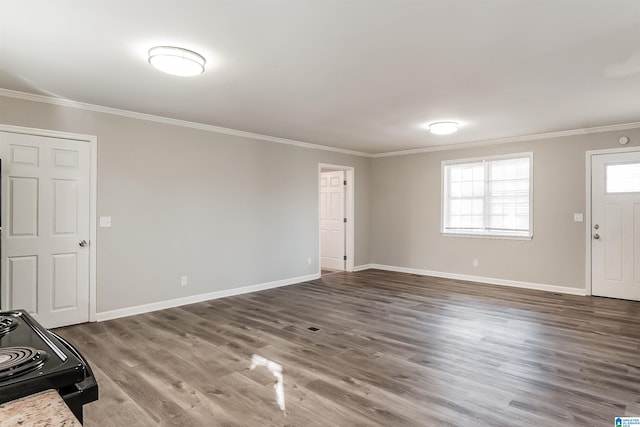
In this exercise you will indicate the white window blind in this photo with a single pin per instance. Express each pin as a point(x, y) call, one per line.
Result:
point(488, 197)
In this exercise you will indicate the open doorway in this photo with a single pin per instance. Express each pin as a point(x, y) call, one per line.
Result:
point(336, 218)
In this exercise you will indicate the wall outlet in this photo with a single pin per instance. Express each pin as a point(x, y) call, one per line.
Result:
point(475, 263)
point(308, 261)
point(184, 281)
point(105, 221)
point(578, 217)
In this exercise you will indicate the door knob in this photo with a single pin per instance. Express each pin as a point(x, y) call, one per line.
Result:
point(596, 236)
point(596, 226)
point(83, 243)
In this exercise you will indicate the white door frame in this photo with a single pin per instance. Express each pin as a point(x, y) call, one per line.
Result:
point(588, 240)
point(349, 212)
point(93, 185)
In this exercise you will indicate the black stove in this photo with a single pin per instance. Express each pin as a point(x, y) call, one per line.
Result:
point(7, 324)
point(34, 359)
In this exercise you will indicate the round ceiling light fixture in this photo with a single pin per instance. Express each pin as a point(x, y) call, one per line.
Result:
point(443, 128)
point(176, 61)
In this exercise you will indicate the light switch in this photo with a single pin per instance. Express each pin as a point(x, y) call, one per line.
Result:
point(105, 221)
point(578, 217)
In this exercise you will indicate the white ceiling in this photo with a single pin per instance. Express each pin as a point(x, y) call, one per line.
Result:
point(356, 74)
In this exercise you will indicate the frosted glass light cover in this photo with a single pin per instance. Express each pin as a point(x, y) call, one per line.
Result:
point(176, 61)
point(443, 128)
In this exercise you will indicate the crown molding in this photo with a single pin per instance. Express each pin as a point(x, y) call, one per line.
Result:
point(228, 131)
point(522, 138)
point(175, 122)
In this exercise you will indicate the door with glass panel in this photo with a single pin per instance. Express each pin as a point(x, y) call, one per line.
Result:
point(615, 226)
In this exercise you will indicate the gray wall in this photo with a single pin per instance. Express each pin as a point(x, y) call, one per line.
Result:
point(227, 211)
point(406, 214)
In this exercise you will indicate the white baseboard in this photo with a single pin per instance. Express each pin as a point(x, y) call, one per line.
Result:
point(488, 280)
point(363, 267)
point(146, 308)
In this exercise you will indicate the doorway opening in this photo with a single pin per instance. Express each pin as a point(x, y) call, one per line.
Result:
point(336, 218)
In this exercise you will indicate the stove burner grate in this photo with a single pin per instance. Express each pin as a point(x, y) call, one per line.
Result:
point(7, 324)
point(19, 360)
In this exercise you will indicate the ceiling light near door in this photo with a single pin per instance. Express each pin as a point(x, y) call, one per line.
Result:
point(443, 128)
point(176, 61)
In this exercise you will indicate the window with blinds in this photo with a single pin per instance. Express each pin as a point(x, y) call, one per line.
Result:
point(488, 197)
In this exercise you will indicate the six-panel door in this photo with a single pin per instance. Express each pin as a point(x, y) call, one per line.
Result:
point(332, 226)
point(45, 214)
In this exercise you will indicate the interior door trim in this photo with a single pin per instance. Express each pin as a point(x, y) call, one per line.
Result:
point(93, 197)
point(588, 240)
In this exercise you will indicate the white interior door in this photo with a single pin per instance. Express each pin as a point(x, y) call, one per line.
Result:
point(615, 228)
point(45, 219)
point(332, 225)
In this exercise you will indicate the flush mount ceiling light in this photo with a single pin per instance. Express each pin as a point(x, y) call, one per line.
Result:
point(176, 61)
point(443, 128)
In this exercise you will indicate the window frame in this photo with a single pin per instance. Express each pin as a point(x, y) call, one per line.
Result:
point(486, 234)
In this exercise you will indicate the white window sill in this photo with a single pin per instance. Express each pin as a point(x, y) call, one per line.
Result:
point(486, 236)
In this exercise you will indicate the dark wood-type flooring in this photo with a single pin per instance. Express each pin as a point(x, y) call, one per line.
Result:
point(392, 350)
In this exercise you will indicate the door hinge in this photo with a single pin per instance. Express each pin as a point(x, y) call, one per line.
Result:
point(345, 182)
point(345, 220)
point(345, 257)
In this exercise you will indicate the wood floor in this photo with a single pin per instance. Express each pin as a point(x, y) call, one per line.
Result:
point(391, 350)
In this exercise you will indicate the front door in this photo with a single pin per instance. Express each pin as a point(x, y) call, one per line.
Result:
point(332, 226)
point(615, 227)
point(45, 227)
